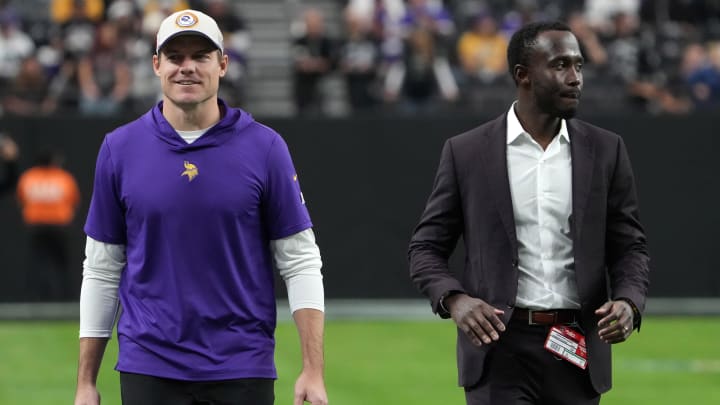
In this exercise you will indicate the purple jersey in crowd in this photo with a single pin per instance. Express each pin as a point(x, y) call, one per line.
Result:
point(197, 292)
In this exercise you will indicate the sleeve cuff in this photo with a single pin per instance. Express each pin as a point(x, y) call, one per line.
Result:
point(637, 316)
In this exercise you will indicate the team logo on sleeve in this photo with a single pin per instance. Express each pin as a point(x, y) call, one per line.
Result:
point(191, 171)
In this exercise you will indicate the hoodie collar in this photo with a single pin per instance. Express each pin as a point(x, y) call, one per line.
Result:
point(233, 120)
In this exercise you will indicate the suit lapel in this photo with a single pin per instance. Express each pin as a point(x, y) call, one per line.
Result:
point(583, 157)
point(494, 156)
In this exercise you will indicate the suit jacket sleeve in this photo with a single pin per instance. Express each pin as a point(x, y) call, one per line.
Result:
point(626, 254)
point(437, 233)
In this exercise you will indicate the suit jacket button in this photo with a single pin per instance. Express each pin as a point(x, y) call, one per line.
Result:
point(514, 263)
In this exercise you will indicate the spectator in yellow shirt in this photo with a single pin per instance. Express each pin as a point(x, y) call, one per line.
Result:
point(481, 50)
point(62, 10)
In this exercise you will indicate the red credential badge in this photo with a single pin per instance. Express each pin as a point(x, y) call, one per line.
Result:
point(567, 344)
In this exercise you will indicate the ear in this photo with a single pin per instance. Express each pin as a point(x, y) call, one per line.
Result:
point(521, 74)
point(156, 64)
point(224, 61)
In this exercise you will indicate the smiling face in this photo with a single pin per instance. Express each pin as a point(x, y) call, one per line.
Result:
point(554, 75)
point(190, 68)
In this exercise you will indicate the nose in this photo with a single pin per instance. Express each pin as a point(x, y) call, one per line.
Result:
point(187, 66)
point(574, 78)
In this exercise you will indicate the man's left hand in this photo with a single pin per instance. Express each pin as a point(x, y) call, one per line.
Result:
point(310, 387)
point(616, 324)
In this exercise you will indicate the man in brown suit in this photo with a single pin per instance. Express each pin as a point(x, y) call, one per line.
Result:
point(548, 211)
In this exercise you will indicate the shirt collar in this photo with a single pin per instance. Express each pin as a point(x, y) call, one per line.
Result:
point(515, 129)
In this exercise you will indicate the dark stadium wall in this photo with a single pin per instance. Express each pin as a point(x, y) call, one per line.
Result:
point(366, 182)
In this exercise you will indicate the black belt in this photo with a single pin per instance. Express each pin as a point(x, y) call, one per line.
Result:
point(546, 317)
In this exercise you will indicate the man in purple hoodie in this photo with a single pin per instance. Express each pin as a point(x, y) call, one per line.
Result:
point(194, 203)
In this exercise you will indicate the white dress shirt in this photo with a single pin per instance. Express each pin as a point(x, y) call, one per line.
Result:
point(541, 189)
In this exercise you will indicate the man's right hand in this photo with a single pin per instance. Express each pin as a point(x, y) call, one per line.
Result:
point(87, 395)
point(479, 320)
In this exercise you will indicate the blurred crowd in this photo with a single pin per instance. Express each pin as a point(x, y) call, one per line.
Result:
point(429, 55)
point(414, 56)
point(93, 57)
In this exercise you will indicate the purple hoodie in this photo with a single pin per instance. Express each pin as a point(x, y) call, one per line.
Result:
point(197, 293)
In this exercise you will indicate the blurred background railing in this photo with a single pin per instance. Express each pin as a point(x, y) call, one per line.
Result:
point(366, 182)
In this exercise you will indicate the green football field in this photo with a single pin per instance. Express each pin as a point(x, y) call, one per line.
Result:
point(672, 361)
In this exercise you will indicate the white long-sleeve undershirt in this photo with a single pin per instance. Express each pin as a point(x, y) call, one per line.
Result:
point(296, 257)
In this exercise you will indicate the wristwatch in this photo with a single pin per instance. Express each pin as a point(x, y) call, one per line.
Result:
point(636, 312)
point(444, 312)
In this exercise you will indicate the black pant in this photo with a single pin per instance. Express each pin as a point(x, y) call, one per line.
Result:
point(49, 277)
point(139, 389)
point(519, 371)
point(308, 99)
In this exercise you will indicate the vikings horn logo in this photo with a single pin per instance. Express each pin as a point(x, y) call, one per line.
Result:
point(190, 170)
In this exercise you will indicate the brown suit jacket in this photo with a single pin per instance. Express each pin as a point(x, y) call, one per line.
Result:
point(471, 198)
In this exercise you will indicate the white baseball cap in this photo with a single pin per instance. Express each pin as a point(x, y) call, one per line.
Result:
point(189, 22)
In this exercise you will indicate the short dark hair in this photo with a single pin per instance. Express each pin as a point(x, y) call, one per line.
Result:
point(522, 41)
